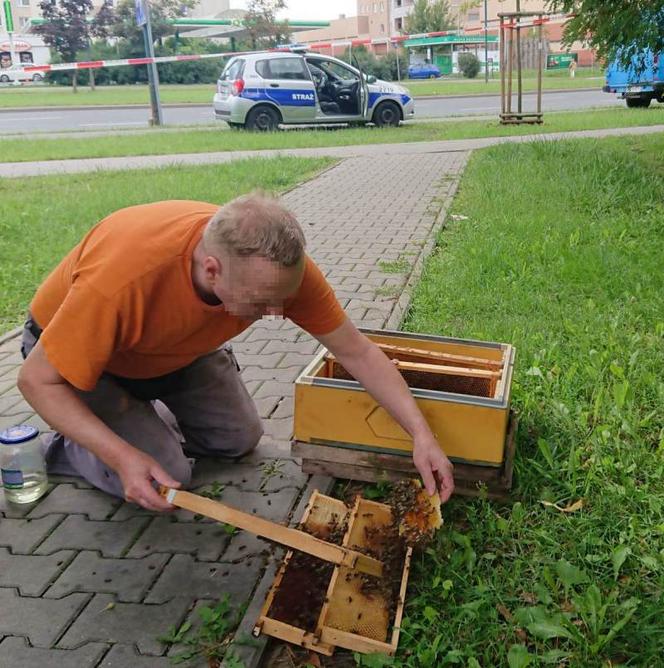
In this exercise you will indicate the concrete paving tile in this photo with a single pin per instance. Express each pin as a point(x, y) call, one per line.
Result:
point(194, 618)
point(31, 574)
point(126, 656)
point(112, 539)
point(40, 620)
point(245, 545)
point(206, 541)
point(67, 498)
point(21, 536)
point(260, 474)
point(17, 653)
point(105, 620)
point(278, 429)
point(185, 577)
point(127, 579)
point(7, 421)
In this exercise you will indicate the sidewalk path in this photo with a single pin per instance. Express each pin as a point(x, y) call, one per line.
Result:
point(22, 169)
point(67, 558)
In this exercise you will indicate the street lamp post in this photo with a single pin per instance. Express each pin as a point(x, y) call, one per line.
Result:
point(486, 44)
point(143, 20)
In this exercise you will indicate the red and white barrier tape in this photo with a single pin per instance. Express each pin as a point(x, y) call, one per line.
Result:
point(94, 64)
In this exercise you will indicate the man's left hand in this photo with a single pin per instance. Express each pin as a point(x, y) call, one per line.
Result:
point(434, 466)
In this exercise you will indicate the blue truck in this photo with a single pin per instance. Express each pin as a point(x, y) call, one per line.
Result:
point(640, 83)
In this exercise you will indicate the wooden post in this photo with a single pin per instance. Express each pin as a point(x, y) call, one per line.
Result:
point(510, 60)
point(501, 47)
point(540, 49)
point(519, 89)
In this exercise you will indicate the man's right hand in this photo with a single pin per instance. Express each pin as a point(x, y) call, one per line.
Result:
point(136, 472)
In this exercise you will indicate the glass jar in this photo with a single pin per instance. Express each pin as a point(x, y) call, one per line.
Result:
point(22, 464)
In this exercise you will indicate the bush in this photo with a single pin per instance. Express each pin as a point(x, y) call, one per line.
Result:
point(469, 64)
point(382, 67)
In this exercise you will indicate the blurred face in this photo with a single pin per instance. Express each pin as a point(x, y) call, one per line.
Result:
point(252, 287)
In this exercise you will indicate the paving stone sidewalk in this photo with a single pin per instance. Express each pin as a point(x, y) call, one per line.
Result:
point(88, 580)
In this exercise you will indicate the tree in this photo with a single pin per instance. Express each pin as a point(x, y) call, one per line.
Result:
point(161, 11)
point(66, 27)
point(469, 64)
point(429, 16)
point(99, 27)
point(620, 29)
point(261, 22)
point(68, 31)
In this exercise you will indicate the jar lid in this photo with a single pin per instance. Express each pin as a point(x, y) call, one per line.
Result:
point(18, 434)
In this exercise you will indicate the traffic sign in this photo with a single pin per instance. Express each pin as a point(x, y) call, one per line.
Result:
point(141, 15)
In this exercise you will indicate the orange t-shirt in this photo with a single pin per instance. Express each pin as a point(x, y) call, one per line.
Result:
point(123, 300)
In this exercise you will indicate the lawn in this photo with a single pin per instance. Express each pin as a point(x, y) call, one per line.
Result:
point(561, 255)
point(44, 217)
point(60, 96)
point(156, 142)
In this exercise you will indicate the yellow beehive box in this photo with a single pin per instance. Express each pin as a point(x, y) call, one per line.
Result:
point(466, 402)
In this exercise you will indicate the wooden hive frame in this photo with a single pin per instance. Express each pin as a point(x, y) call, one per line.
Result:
point(325, 638)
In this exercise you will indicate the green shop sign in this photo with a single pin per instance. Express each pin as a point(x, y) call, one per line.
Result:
point(450, 39)
point(560, 61)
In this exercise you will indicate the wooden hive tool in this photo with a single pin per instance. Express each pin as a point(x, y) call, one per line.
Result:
point(293, 538)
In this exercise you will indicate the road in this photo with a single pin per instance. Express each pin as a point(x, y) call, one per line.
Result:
point(60, 118)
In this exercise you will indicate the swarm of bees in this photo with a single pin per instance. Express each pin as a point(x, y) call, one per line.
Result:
point(417, 514)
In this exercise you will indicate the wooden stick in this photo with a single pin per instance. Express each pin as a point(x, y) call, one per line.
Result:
point(298, 540)
point(435, 355)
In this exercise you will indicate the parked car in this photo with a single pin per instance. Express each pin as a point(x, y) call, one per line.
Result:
point(424, 71)
point(18, 75)
point(260, 91)
point(637, 85)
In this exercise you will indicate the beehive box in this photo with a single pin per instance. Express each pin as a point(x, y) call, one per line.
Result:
point(320, 606)
point(468, 412)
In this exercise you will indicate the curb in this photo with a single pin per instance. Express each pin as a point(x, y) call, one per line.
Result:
point(200, 105)
point(402, 306)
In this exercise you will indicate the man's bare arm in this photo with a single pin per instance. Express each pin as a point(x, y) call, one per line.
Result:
point(58, 404)
point(372, 368)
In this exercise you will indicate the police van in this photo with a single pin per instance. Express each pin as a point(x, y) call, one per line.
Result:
point(260, 91)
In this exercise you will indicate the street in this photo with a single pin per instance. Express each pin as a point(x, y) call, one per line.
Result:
point(14, 121)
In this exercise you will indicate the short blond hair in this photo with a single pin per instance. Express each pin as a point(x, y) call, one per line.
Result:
point(256, 224)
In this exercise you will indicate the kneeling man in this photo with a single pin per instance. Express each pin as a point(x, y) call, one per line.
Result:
point(142, 310)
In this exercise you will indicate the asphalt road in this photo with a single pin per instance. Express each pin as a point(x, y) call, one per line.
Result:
point(59, 119)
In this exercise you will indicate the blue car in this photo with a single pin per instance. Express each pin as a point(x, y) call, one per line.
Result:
point(423, 72)
point(638, 86)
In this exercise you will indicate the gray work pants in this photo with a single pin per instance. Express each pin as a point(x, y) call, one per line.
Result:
point(201, 409)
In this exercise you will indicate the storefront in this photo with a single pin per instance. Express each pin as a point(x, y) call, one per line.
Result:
point(444, 51)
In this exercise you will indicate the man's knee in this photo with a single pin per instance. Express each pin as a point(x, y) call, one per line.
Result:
point(224, 442)
point(248, 439)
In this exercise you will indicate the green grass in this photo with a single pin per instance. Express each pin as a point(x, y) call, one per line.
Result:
point(44, 217)
point(60, 96)
point(562, 256)
point(158, 142)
